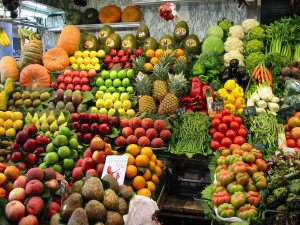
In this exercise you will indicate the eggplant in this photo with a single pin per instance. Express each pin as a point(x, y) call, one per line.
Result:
point(234, 63)
point(244, 81)
point(241, 72)
point(227, 74)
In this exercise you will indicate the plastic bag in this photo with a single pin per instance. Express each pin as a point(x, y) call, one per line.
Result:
point(292, 87)
point(294, 101)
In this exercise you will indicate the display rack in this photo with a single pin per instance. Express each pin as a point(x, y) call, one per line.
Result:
point(22, 22)
point(156, 2)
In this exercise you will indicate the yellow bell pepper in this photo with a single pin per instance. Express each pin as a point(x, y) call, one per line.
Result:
point(231, 107)
point(238, 92)
point(240, 111)
point(222, 92)
point(229, 99)
point(239, 102)
point(230, 85)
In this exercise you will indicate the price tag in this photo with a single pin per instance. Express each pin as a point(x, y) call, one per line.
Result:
point(260, 146)
point(250, 111)
point(214, 85)
point(286, 112)
point(217, 106)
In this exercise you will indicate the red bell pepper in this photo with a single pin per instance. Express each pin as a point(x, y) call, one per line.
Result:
point(205, 89)
point(196, 87)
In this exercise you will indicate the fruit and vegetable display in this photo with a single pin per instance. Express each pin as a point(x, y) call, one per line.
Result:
point(231, 99)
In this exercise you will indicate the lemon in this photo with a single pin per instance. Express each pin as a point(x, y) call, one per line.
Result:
point(78, 54)
point(79, 61)
point(127, 104)
point(115, 97)
point(111, 112)
point(72, 60)
point(2, 131)
point(100, 103)
point(16, 116)
point(7, 115)
point(75, 66)
point(82, 66)
point(94, 109)
point(99, 94)
point(87, 60)
point(122, 112)
point(101, 53)
point(8, 124)
point(130, 112)
point(85, 54)
point(18, 124)
point(1, 114)
point(124, 96)
point(93, 54)
point(11, 132)
point(88, 67)
point(97, 67)
point(94, 61)
point(107, 96)
point(108, 103)
point(118, 105)
point(1, 122)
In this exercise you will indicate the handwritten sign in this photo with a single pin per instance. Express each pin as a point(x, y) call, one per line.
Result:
point(286, 112)
point(217, 106)
point(250, 111)
point(115, 165)
point(260, 146)
point(214, 85)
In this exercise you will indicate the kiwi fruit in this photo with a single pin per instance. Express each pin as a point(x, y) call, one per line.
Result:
point(18, 102)
point(44, 96)
point(34, 95)
point(36, 102)
point(16, 96)
point(25, 95)
point(28, 102)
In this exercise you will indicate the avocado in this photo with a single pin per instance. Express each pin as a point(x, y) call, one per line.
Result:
point(181, 31)
point(142, 32)
point(129, 41)
point(90, 16)
point(113, 41)
point(166, 42)
point(104, 32)
point(149, 43)
point(192, 44)
point(89, 42)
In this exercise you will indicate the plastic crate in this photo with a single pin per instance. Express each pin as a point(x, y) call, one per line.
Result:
point(187, 188)
point(281, 217)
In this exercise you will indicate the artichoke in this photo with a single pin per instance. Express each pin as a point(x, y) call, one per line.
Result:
point(282, 207)
point(271, 202)
point(290, 200)
point(280, 194)
point(294, 187)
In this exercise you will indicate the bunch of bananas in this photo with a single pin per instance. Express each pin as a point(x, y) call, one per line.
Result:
point(4, 39)
point(24, 33)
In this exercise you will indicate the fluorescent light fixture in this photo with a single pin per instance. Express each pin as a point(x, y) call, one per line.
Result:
point(29, 13)
point(34, 5)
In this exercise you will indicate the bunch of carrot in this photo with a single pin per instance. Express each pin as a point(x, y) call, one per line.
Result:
point(261, 73)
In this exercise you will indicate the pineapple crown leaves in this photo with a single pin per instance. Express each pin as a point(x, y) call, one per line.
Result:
point(138, 64)
point(180, 66)
point(143, 85)
point(161, 70)
point(178, 84)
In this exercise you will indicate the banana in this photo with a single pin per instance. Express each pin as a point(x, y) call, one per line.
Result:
point(6, 38)
point(31, 36)
point(1, 38)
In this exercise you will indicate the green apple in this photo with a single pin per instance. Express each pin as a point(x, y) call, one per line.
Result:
point(108, 82)
point(101, 53)
point(103, 88)
point(130, 112)
point(50, 147)
point(130, 73)
point(117, 83)
point(130, 89)
point(51, 158)
point(118, 105)
point(100, 81)
point(57, 168)
point(68, 164)
point(121, 89)
point(43, 166)
point(124, 96)
point(113, 74)
point(99, 94)
point(115, 97)
point(122, 74)
point(105, 74)
point(73, 143)
point(122, 112)
point(127, 104)
point(63, 152)
point(111, 112)
point(100, 103)
point(107, 96)
point(103, 111)
point(108, 104)
point(111, 89)
point(125, 82)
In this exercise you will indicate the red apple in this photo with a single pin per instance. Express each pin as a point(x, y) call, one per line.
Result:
point(100, 168)
point(114, 121)
point(129, 52)
point(76, 126)
point(116, 59)
point(70, 87)
point(22, 136)
point(113, 52)
point(103, 118)
point(124, 59)
point(91, 172)
point(77, 173)
point(39, 140)
point(54, 85)
point(84, 80)
point(83, 74)
point(75, 73)
point(83, 117)
point(31, 158)
point(60, 78)
point(111, 65)
point(88, 153)
point(87, 138)
point(16, 157)
point(74, 117)
point(68, 80)
point(127, 65)
point(29, 145)
point(99, 156)
point(94, 128)
point(92, 73)
point(87, 164)
point(104, 129)
point(121, 53)
point(120, 65)
point(62, 86)
point(108, 59)
point(139, 52)
point(31, 130)
point(76, 80)
point(67, 73)
point(77, 87)
point(15, 146)
point(85, 87)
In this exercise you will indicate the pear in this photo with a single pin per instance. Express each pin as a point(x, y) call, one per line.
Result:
point(54, 126)
point(28, 118)
point(43, 117)
point(38, 125)
point(48, 134)
point(61, 119)
point(35, 118)
point(63, 125)
point(44, 126)
point(51, 117)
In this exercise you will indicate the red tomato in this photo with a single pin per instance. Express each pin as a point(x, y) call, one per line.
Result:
point(234, 126)
point(68, 80)
point(227, 119)
point(298, 143)
point(287, 127)
point(223, 128)
point(239, 140)
point(242, 132)
point(218, 116)
point(217, 136)
point(288, 135)
point(75, 74)
point(242, 126)
point(238, 119)
point(60, 79)
point(225, 112)
point(215, 123)
point(232, 116)
point(230, 134)
point(62, 86)
point(215, 145)
point(291, 143)
point(226, 142)
point(212, 131)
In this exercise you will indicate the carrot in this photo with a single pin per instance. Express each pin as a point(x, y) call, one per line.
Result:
point(256, 75)
point(254, 71)
point(269, 73)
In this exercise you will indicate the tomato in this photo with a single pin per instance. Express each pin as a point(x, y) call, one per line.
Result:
point(234, 126)
point(239, 140)
point(242, 126)
point(227, 119)
point(222, 128)
point(234, 187)
point(234, 146)
point(218, 116)
point(242, 132)
point(253, 198)
point(238, 199)
point(226, 142)
point(287, 127)
point(225, 112)
point(298, 143)
point(232, 117)
point(246, 212)
point(238, 119)
point(215, 123)
point(217, 136)
point(220, 198)
point(215, 145)
point(212, 131)
point(240, 167)
point(249, 157)
point(252, 168)
point(246, 147)
point(226, 210)
point(242, 178)
point(238, 151)
point(226, 152)
point(226, 177)
point(230, 134)
point(288, 135)
point(291, 143)
point(261, 164)
point(60, 79)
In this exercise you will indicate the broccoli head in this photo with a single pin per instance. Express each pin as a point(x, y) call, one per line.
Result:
point(225, 24)
point(253, 60)
point(281, 193)
point(257, 33)
point(290, 200)
point(253, 46)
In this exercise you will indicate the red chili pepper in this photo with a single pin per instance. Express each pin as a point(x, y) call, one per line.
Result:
point(207, 88)
point(196, 87)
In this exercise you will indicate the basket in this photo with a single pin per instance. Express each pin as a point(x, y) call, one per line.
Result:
point(281, 217)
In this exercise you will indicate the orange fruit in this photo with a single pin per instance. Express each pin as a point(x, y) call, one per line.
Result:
point(133, 149)
point(138, 182)
point(147, 175)
point(169, 51)
point(3, 193)
point(155, 179)
point(12, 173)
point(148, 67)
point(182, 57)
point(130, 159)
point(154, 60)
point(131, 171)
point(159, 163)
point(159, 53)
point(158, 171)
point(145, 192)
point(150, 53)
point(150, 185)
point(142, 161)
point(153, 158)
point(147, 151)
point(151, 166)
point(179, 52)
point(3, 179)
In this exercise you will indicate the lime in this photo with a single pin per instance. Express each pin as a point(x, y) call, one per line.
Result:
point(103, 88)
point(57, 168)
point(125, 82)
point(64, 131)
point(43, 166)
point(105, 74)
point(121, 89)
point(99, 81)
point(108, 82)
point(50, 148)
point(122, 74)
point(112, 89)
point(63, 152)
point(103, 111)
point(68, 164)
point(111, 112)
point(117, 83)
point(51, 158)
point(73, 143)
point(130, 89)
point(113, 74)
point(130, 73)
point(60, 140)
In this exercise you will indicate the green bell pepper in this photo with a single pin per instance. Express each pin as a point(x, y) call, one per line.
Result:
point(211, 63)
point(198, 69)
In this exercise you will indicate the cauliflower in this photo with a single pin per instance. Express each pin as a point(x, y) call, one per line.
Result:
point(213, 44)
point(236, 31)
point(233, 43)
point(257, 33)
point(234, 54)
point(253, 46)
point(225, 24)
point(248, 24)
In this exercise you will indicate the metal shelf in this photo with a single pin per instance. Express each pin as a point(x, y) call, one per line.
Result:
point(98, 26)
point(22, 22)
point(156, 2)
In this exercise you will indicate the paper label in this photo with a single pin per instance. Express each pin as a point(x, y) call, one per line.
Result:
point(115, 165)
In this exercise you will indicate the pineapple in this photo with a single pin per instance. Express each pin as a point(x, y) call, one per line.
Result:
point(138, 64)
point(161, 72)
point(170, 103)
point(146, 102)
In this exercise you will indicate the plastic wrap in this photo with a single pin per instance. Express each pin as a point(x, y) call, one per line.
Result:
point(292, 87)
point(293, 101)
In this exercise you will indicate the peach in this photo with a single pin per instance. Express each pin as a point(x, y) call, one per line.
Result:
point(135, 122)
point(52, 209)
point(144, 141)
point(34, 187)
point(127, 131)
point(35, 205)
point(151, 133)
point(131, 139)
point(108, 149)
point(17, 194)
point(3, 166)
point(160, 125)
point(124, 122)
point(50, 173)
point(29, 220)
point(100, 168)
point(165, 135)
point(52, 184)
point(35, 173)
point(99, 156)
point(12, 172)
point(3, 193)
point(139, 132)
point(77, 173)
point(120, 141)
point(87, 164)
point(3, 179)
point(14, 210)
point(157, 143)
point(97, 144)
point(91, 172)
point(147, 123)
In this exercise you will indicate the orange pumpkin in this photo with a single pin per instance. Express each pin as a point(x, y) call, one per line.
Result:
point(33, 76)
point(56, 59)
point(69, 39)
point(131, 14)
point(8, 68)
point(110, 14)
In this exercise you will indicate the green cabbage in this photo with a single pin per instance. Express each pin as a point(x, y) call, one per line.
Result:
point(215, 31)
point(213, 44)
